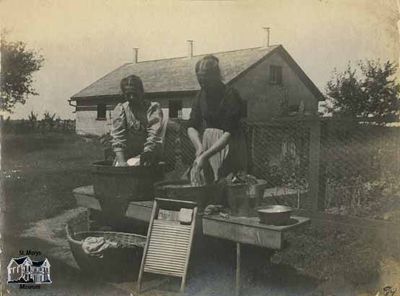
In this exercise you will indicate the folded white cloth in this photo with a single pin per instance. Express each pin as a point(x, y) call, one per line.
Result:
point(185, 216)
point(134, 161)
point(95, 246)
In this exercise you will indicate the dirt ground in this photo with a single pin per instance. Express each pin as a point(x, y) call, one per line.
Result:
point(39, 171)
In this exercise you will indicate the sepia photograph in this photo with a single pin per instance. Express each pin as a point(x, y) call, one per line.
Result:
point(200, 147)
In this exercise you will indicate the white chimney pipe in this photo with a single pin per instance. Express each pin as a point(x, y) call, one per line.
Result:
point(268, 31)
point(135, 54)
point(190, 48)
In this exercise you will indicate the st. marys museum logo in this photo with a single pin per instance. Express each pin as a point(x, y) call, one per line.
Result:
point(23, 270)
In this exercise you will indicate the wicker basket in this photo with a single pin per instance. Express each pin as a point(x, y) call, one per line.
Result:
point(116, 263)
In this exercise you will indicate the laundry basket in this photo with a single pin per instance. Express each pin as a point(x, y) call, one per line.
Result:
point(116, 263)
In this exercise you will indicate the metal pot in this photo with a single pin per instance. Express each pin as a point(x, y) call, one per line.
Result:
point(275, 214)
point(243, 198)
point(183, 190)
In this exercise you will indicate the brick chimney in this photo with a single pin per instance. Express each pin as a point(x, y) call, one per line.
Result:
point(190, 48)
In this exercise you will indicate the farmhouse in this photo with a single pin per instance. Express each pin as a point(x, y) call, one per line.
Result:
point(268, 79)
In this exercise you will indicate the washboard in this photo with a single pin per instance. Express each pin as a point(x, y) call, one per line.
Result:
point(169, 239)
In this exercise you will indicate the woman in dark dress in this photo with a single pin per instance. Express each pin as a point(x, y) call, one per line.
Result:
point(214, 124)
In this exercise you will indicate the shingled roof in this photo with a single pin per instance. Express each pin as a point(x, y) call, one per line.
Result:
point(20, 260)
point(177, 74)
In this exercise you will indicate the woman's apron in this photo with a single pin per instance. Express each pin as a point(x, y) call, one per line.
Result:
point(231, 159)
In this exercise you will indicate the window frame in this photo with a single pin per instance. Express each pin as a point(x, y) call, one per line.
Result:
point(179, 111)
point(274, 77)
point(98, 106)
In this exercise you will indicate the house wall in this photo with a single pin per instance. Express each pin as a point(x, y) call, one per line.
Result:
point(264, 99)
point(15, 271)
point(186, 104)
point(18, 273)
point(87, 123)
point(86, 113)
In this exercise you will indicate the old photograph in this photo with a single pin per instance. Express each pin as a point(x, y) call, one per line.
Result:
point(200, 147)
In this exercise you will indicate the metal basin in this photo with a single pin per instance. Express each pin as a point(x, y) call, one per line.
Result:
point(125, 183)
point(275, 214)
point(183, 190)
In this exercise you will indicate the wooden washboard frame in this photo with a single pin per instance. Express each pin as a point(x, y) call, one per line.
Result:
point(168, 244)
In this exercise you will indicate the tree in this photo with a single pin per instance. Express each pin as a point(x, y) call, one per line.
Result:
point(32, 117)
point(375, 94)
point(17, 66)
point(49, 119)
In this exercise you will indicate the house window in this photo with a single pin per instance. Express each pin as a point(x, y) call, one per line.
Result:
point(101, 111)
point(175, 109)
point(275, 75)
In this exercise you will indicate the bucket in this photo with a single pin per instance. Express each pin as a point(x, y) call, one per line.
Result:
point(243, 198)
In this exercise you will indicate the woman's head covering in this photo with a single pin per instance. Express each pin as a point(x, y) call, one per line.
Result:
point(209, 65)
point(132, 80)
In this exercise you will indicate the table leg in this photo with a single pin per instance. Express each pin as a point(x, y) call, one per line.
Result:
point(237, 269)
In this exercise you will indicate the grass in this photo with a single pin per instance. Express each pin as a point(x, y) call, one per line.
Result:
point(39, 172)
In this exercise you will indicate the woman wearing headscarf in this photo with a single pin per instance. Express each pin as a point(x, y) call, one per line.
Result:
point(214, 124)
point(137, 125)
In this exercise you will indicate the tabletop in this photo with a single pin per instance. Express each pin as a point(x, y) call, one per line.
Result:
point(249, 230)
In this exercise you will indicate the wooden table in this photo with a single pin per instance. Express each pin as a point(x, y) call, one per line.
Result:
point(140, 210)
point(248, 230)
point(241, 230)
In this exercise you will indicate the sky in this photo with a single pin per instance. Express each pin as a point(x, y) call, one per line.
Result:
point(82, 40)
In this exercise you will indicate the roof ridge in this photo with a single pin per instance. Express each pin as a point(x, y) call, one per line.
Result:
point(203, 54)
point(226, 51)
point(21, 257)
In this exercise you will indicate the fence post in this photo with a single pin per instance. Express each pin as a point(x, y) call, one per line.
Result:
point(316, 194)
point(253, 141)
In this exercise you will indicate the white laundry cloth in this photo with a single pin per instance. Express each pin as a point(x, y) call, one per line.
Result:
point(95, 246)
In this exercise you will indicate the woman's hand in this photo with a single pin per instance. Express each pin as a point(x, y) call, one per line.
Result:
point(200, 161)
point(199, 151)
point(147, 158)
point(121, 162)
